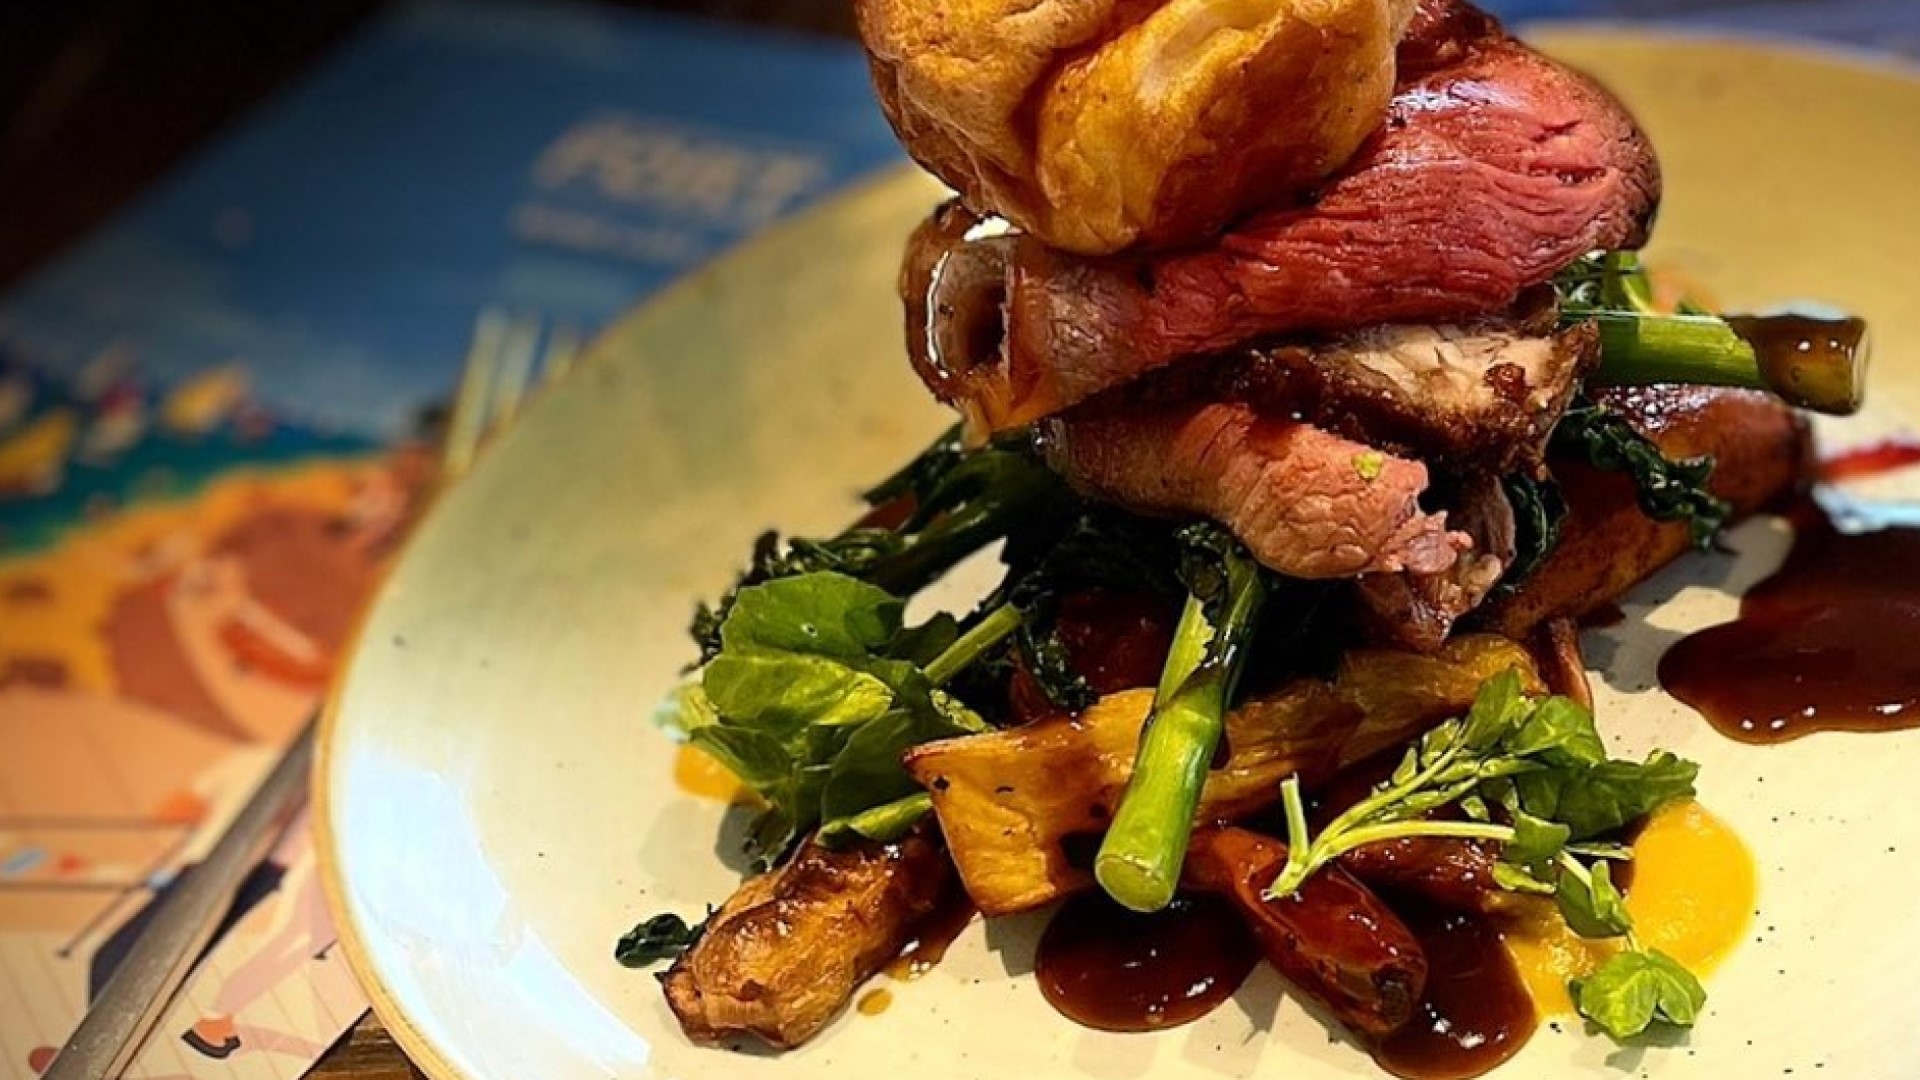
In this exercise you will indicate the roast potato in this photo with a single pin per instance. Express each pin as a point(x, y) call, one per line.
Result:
point(1762, 452)
point(1099, 125)
point(1334, 940)
point(786, 951)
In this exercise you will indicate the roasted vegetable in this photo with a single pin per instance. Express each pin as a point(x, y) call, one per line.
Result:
point(1333, 940)
point(1441, 871)
point(785, 952)
point(1556, 648)
point(1668, 489)
point(1016, 805)
point(1607, 545)
point(1531, 775)
point(1809, 362)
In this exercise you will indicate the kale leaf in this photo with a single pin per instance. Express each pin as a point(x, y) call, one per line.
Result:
point(1668, 490)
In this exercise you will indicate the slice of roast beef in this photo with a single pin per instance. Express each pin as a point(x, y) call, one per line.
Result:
point(1306, 502)
point(1417, 611)
point(1493, 172)
point(1478, 395)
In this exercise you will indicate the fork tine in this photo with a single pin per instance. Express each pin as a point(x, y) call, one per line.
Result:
point(563, 348)
point(518, 350)
point(477, 378)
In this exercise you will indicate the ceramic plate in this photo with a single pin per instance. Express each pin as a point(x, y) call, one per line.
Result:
point(497, 806)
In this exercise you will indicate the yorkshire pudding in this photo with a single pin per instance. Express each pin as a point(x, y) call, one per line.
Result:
point(1101, 125)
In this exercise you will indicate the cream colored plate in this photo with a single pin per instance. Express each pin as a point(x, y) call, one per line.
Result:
point(497, 807)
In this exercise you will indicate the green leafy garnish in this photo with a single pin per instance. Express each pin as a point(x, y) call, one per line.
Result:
point(1591, 905)
point(1668, 490)
point(817, 691)
point(1532, 775)
point(1099, 548)
point(663, 937)
point(1606, 796)
point(958, 501)
point(1539, 513)
point(1634, 989)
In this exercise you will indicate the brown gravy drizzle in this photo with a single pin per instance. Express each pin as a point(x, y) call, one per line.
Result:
point(1476, 1012)
point(1108, 968)
point(933, 936)
point(1105, 967)
point(1828, 643)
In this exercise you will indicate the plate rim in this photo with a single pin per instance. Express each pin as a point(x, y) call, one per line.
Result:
point(421, 1050)
point(383, 1003)
point(1867, 58)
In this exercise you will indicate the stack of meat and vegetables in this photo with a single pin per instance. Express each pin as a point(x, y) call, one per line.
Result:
point(1310, 393)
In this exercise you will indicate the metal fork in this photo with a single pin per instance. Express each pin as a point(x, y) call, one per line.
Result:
point(500, 369)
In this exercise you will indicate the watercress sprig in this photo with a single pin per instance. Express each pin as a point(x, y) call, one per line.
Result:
point(1532, 775)
point(817, 690)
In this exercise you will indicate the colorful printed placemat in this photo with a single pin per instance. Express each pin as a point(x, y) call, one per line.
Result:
point(217, 415)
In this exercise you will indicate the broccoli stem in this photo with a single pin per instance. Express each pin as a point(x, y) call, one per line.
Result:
point(940, 546)
point(984, 635)
point(1191, 636)
point(1638, 348)
point(1140, 858)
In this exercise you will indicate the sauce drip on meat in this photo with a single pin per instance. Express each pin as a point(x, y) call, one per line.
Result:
point(1105, 967)
point(1825, 644)
point(933, 936)
point(1476, 1012)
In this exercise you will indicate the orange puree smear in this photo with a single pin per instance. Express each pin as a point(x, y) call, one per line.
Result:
point(697, 772)
point(1691, 897)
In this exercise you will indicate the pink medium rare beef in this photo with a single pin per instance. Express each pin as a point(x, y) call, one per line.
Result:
point(1306, 503)
point(1417, 611)
point(1493, 172)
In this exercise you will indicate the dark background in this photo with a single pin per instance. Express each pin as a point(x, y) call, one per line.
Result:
point(98, 97)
